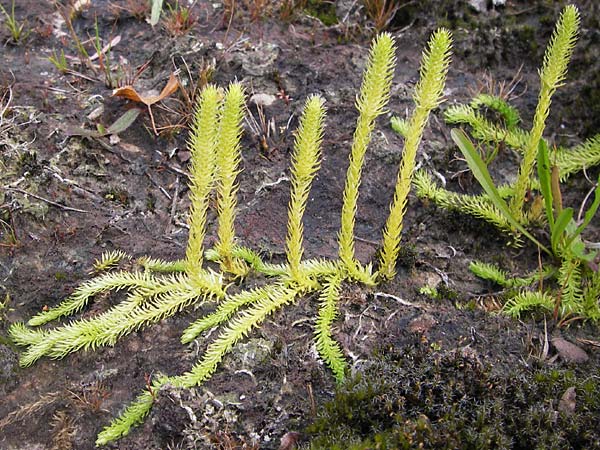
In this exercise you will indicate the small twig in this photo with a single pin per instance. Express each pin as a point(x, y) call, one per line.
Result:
point(173, 205)
point(249, 373)
point(585, 199)
point(58, 205)
point(80, 75)
point(311, 397)
point(360, 322)
point(76, 188)
point(443, 275)
point(385, 323)
point(588, 342)
point(8, 95)
point(546, 347)
point(393, 297)
point(367, 241)
point(265, 185)
point(160, 188)
point(185, 173)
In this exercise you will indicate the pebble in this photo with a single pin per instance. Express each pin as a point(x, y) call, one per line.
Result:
point(569, 352)
point(567, 402)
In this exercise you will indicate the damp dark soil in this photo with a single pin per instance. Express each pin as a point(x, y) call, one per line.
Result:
point(444, 372)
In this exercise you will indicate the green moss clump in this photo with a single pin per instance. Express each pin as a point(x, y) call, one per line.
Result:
point(324, 11)
point(419, 398)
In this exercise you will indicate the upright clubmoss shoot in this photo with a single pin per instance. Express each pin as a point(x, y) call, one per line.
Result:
point(203, 148)
point(305, 164)
point(552, 75)
point(427, 96)
point(156, 292)
point(371, 102)
point(228, 160)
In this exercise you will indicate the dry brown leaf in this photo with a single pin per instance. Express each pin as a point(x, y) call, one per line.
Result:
point(130, 93)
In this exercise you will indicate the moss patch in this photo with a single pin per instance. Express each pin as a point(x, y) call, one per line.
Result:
point(426, 399)
point(324, 11)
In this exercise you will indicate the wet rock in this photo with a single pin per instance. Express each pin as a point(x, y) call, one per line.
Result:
point(8, 366)
point(569, 352)
point(259, 60)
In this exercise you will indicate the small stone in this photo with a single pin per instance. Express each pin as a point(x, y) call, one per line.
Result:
point(568, 402)
point(422, 324)
point(569, 352)
point(289, 440)
point(263, 99)
point(478, 5)
point(184, 156)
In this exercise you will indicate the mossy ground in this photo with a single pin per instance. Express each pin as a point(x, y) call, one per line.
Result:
point(417, 397)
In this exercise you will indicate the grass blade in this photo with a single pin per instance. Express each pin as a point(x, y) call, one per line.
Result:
point(544, 174)
point(482, 175)
point(123, 122)
point(562, 221)
point(156, 9)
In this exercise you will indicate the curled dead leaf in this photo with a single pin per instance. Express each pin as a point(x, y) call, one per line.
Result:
point(130, 93)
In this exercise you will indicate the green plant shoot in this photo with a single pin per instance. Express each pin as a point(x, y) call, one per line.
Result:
point(373, 97)
point(203, 148)
point(481, 173)
point(305, 164)
point(164, 288)
point(427, 96)
point(552, 74)
point(228, 159)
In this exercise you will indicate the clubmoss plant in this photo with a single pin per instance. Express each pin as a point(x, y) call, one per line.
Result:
point(163, 288)
point(507, 132)
point(572, 267)
point(228, 160)
point(571, 279)
point(304, 167)
point(373, 98)
point(552, 75)
point(427, 96)
point(203, 146)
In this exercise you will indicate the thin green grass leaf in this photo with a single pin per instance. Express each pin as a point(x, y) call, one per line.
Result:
point(482, 175)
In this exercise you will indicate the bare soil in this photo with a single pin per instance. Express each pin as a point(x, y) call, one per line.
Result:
point(68, 198)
